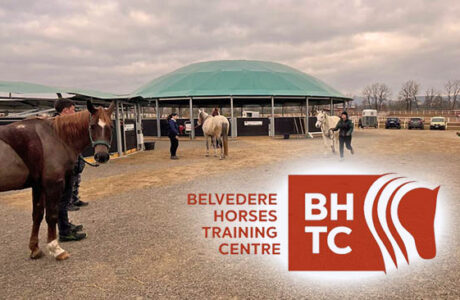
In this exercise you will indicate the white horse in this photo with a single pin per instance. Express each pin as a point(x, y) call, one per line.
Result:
point(216, 128)
point(326, 123)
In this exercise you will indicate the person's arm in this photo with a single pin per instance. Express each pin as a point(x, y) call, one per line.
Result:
point(336, 126)
point(172, 127)
point(350, 131)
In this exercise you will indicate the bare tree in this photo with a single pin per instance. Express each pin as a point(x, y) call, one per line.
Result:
point(438, 100)
point(452, 92)
point(376, 94)
point(430, 95)
point(384, 93)
point(408, 93)
point(367, 93)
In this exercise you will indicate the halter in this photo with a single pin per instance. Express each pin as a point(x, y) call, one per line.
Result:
point(327, 133)
point(97, 142)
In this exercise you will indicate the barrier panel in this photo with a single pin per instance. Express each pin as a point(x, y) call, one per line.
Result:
point(245, 126)
point(149, 127)
point(252, 126)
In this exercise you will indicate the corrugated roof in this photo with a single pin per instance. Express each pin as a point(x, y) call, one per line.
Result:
point(18, 87)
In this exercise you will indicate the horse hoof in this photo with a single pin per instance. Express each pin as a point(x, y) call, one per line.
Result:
point(36, 254)
point(207, 155)
point(63, 256)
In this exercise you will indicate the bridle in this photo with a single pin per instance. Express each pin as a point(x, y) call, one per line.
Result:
point(322, 122)
point(95, 143)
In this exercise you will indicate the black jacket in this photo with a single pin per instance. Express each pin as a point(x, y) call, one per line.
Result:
point(345, 127)
point(173, 128)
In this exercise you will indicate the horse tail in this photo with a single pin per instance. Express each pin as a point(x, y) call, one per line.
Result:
point(225, 137)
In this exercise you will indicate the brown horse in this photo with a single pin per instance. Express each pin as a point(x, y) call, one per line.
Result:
point(40, 153)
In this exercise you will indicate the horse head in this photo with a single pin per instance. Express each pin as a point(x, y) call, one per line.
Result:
point(201, 117)
point(100, 130)
point(320, 118)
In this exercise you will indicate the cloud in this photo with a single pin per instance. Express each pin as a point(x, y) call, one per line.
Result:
point(119, 45)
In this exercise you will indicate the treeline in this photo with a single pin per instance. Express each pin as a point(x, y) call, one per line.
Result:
point(379, 96)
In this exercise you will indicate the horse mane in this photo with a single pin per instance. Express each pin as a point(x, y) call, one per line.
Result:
point(70, 128)
point(202, 116)
point(75, 127)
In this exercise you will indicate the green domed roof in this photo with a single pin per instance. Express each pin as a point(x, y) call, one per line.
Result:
point(236, 78)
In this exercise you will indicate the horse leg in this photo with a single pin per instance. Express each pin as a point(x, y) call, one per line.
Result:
point(333, 143)
point(53, 197)
point(221, 147)
point(214, 142)
point(326, 144)
point(37, 216)
point(207, 146)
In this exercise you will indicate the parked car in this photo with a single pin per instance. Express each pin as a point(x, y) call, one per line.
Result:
point(415, 123)
point(393, 123)
point(438, 123)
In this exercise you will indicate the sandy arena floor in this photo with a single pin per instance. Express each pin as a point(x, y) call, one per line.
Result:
point(144, 241)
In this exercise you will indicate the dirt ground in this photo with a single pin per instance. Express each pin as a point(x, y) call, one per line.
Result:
point(144, 241)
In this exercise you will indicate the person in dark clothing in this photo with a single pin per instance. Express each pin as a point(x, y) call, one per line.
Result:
point(76, 202)
point(67, 230)
point(345, 127)
point(173, 134)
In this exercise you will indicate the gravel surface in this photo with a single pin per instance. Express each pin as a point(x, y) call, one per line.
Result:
point(145, 242)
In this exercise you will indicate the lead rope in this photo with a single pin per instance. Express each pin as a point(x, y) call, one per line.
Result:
point(88, 163)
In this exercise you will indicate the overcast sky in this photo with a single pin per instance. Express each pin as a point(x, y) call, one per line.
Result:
point(116, 46)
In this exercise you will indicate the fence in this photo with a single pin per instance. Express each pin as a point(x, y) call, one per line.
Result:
point(418, 113)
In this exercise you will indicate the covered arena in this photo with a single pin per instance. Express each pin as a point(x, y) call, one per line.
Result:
point(283, 97)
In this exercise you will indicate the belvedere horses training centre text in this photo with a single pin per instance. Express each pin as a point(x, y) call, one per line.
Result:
point(251, 217)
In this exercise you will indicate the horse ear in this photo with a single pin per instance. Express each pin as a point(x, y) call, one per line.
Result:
point(91, 107)
point(111, 108)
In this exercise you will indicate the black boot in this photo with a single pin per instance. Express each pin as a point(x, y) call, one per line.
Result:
point(75, 228)
point(72, 207)
point(72, 236)
point(80, 203)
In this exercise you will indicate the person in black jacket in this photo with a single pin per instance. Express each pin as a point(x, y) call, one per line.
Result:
point(173, 134)
point(345, 127)
point(67, 231)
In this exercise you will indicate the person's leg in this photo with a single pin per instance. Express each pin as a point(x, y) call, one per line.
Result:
point(171, 148)
point(341, 142)
point(75, 184)
point(63, 217)
point(67, 231)
point(76, 191)
point(176, 145)
point(348, 144)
